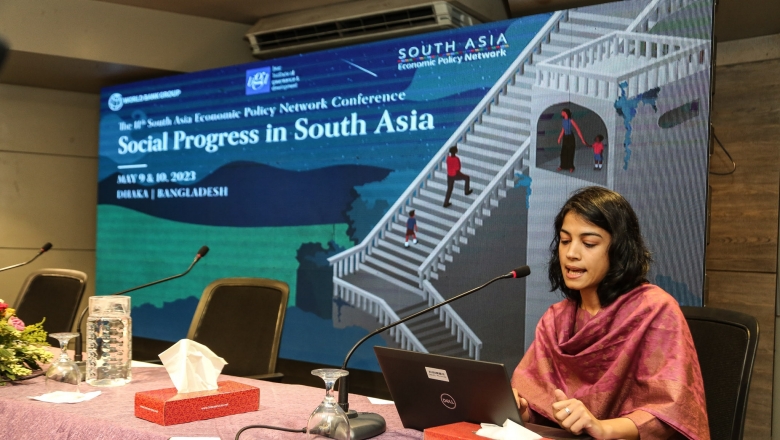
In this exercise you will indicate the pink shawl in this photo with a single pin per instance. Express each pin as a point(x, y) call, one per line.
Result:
point(635, 354)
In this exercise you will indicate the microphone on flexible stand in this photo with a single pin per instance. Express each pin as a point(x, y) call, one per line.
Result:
point(43, 249)
point(367, 425)
point(78, 357)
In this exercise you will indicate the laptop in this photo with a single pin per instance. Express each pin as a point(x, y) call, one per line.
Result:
point(433, 390)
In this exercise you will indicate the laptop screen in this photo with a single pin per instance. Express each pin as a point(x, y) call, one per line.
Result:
point(432, 390)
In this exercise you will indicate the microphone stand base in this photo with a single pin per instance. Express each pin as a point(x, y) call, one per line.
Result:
point(365, 425)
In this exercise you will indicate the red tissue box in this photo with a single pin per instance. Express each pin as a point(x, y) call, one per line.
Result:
point(466, 431)
point(453, 431)
point(167, 407)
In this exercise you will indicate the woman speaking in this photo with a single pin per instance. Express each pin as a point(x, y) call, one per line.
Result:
point(615, 358)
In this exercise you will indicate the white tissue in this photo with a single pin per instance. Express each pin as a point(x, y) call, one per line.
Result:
point(510, 431)
point(192, 366)
point(66, 397)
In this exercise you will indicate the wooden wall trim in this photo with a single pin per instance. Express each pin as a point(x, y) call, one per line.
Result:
point(748, 50)
point(742, 255)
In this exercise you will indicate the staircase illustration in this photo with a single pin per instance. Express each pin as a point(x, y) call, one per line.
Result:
point(389, 281)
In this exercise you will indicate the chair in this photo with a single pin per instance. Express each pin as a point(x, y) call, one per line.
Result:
point(54, 294)
point(726, 344)
point(241, 320)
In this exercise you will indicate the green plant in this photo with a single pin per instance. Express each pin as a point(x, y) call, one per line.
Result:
point(22, 346)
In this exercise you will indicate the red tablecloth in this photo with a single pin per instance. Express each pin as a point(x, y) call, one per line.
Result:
point(110, 415)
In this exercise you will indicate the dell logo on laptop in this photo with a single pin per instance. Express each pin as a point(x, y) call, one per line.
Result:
point(448, 401)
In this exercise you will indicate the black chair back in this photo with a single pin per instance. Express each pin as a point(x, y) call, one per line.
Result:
point(726, 344)
point(241, 320)
point(54, 294)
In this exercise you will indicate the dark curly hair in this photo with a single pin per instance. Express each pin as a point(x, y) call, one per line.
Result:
point(629, 259)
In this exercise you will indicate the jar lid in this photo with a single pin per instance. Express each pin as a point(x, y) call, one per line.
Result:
point(108, 305)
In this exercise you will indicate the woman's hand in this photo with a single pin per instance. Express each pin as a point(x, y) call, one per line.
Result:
point(574, 417)
point(522, 405)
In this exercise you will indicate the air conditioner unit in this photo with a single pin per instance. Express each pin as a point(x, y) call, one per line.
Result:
point(351, 23)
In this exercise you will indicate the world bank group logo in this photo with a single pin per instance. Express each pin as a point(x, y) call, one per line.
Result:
point(115, 101)
point(258, 81)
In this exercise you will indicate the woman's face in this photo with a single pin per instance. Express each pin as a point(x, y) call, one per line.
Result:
point(584, 254)
point(564, 115)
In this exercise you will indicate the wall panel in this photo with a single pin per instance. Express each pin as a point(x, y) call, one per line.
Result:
point(48, 174)
point(742, 255)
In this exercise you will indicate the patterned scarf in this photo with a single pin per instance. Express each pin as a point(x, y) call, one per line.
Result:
point(635, 354)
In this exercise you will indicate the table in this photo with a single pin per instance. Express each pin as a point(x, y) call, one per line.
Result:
point(111, 416)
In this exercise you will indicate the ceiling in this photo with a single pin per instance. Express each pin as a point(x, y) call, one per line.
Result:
point(734, 19)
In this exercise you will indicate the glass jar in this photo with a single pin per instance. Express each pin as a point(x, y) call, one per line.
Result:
point(109, 341)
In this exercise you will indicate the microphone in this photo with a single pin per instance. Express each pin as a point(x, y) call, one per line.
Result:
point(43, 249)
point(367, 425)
point(78, 357)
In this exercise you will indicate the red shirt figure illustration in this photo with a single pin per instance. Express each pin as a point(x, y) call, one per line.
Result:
point(454, 173)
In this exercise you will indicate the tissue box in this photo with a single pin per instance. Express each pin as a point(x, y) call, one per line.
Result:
point(167, 407)
point(467, 431)
point(453, 431)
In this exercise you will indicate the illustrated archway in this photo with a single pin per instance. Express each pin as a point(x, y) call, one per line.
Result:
point(548, 150)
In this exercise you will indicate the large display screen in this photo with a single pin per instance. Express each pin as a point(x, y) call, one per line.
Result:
point(329, 171)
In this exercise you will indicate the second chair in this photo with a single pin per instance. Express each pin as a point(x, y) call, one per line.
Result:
point(54, 294)
point(726, 343)
point(241, 320)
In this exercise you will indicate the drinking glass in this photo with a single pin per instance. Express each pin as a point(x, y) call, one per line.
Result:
point(64, 374)
point(329, 420)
